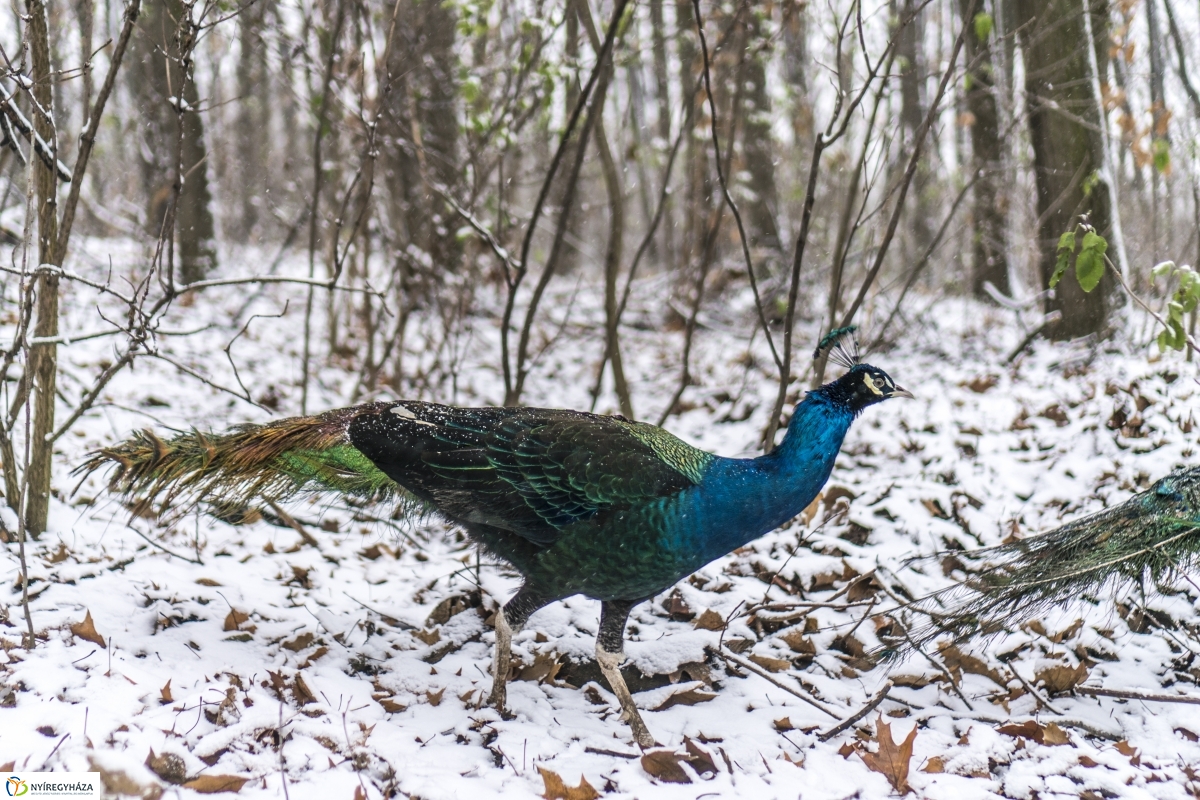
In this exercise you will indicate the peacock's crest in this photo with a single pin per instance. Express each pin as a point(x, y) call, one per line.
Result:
point(841, 346)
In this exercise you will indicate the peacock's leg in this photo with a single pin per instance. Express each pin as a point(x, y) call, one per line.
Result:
point(610, 652)
point(509, 620)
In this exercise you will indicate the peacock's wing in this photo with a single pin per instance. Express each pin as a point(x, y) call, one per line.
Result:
point(526, 470)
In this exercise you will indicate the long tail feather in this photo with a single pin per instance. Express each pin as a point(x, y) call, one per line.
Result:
point(268, 463)
point(1151, 534)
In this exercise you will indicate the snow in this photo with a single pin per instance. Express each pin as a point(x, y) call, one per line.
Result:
point(390, 702)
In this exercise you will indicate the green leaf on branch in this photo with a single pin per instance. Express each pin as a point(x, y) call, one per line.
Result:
point(983, 26)
point(1089, 266)
point(1066, 246)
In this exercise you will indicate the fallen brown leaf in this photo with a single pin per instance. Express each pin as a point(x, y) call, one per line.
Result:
point(1026, 730)
point(391, 706)
point(892, 759)
point(664, 765)
point(709, 621)
point(958, 661)
point(688, 697)
point(235, 618)
point(934, 765)
point(303, 694)
point(168, 766)
point(698, 759)
point(770, 664)
point(60, 555)
point(557, 789)
point(164, 694)
point(87, 630)
point(300, 642)
point(1054, 735)
point(435, 698)
point(1185, 733)
point(1061, 678)
point(784, 725)
point(212, 784)
point(207, 582)
point(1130, 752)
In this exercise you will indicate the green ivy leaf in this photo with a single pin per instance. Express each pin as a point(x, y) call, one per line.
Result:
point(983, 26)
point(1089, 266)
point(1162, 156)
point(1066, 246)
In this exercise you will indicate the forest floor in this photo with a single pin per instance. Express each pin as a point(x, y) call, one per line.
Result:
point(350, 660)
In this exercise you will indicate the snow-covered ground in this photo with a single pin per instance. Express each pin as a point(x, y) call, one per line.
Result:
point(355, 666)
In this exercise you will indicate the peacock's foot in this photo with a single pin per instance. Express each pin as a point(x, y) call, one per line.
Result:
point(610, 667)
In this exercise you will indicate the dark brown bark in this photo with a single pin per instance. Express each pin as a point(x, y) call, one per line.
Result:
point(420, 129)
point(252, 123)
point(990, 262)
point(910, 65)
point(757, 143)
point(43, 358)
point(173, 156)
point(1068, 151)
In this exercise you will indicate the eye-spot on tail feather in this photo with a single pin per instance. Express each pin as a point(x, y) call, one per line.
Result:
point(271, 463)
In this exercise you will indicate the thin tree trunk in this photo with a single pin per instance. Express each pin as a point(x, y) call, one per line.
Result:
point(43, 358)
point(1067, 147)
point(990, 262)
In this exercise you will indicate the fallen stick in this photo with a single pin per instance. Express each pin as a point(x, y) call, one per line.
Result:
point(855, 717)
point(762, 673)
point(1127, 694)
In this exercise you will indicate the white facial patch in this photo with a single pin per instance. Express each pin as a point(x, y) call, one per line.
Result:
point(870, 383)
point(402, 411)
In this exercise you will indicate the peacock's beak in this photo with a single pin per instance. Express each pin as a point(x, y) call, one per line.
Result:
point(901, 392)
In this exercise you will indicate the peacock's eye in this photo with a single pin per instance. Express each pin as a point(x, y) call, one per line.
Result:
point(870, 384)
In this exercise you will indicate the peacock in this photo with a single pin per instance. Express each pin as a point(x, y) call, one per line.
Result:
point(1150, 535)
point(578, 503)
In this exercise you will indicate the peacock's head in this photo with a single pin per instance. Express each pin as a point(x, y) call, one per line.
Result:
point(863, 385)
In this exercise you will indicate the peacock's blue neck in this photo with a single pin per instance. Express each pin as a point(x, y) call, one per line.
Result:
point(741, 499)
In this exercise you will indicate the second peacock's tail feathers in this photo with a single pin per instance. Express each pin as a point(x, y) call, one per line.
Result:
point(252, 463)
point(1151, 535)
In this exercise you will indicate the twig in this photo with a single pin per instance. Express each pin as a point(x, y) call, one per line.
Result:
point(878, 698)
point(291, 522)
point(1033, 691)
point(762, 673)
point(164, 549)
point(1130, 694)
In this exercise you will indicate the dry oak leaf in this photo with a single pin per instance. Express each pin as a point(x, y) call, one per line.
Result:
point(934, 764)
point(1130, 752)
point(87, 630)
point(557, 789)
point(958, 661)
point(435, 698)
point(664, 765)
point(1058, 679)
point(1027, 730)
point(892, 759)
point(784, 725)
point(1054, 735)
point(212, 784)
point(771, 664)
point(709, 621)
point(688, 697)
point(698, 759)
point(164, 694)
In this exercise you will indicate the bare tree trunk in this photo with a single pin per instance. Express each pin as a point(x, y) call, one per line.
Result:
point(662, 94)
point(1068, 151)
point(912, 72)
point(164, 68)
point(253, 120)
point(43, 358)
point(991, 201)
point(757, 143)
